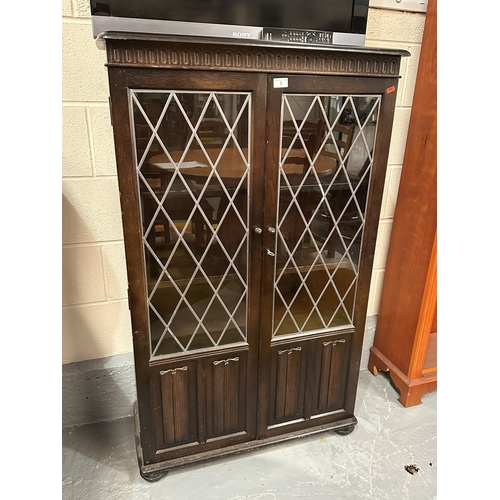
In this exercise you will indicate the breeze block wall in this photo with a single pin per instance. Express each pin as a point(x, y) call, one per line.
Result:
point(95, 316)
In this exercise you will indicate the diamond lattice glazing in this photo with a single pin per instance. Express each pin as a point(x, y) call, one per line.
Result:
point(327, 155)
point(192, 163)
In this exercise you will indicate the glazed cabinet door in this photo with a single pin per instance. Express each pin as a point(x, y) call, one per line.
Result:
point(325, 168)
point(250, 211)
point(189, 149)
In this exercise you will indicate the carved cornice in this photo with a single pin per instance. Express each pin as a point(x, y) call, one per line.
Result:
point(223, 57)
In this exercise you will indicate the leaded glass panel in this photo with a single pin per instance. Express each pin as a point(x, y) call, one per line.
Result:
point(327, 144)
point(192, 163)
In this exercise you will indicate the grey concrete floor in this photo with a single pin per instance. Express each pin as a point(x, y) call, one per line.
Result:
point(99, 460)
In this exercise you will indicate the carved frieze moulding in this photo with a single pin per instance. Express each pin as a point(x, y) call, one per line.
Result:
point(241, 58)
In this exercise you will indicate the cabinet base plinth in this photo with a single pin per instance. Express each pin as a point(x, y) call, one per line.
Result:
point(150, 474)
point(156, 471)
point(411, 390)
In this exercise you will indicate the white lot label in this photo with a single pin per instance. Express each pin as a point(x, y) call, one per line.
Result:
point(280, 83)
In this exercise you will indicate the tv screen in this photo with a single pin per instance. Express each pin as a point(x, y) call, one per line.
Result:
point(336, 16)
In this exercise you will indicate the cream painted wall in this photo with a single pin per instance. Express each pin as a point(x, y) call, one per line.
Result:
point(95, 316)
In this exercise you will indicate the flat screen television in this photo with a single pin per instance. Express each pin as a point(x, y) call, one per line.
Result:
point(325, 22)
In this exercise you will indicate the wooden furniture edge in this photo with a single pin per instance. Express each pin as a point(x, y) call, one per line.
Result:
point(182, 53)
point(425, 319)
point(411, 390)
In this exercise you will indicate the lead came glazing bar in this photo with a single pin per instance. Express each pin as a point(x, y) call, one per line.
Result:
point(327, 144)
point(193, 181)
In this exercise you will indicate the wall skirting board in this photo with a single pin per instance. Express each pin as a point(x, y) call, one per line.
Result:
point(371, 323)
point(98, 390)
point(103, 389)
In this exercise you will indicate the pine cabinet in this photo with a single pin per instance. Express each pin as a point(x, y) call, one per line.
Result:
point(251, 177)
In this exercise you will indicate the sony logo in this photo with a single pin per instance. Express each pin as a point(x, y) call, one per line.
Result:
point(241, 34)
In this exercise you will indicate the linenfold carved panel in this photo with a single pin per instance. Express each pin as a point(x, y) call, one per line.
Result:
point(331, 363)
point(225, 396)
point(272, 59)
point(225, 384)
point(289, 395)
point(175, 405)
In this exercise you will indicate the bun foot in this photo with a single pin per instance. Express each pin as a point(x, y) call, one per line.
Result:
point(152, 477)
point(344, 431)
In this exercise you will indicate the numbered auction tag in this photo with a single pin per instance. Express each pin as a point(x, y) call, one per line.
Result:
point(280, 83)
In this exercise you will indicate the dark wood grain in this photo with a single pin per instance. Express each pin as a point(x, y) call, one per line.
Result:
point(287, 399)
point(331, 368)
point(220, 400)
point(132, 232)
point(172, 52)
point(175, 414)
point(225, 387)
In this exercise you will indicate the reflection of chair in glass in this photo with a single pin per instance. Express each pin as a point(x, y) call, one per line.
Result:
point(188, 212)
point(213, 134)
point(343, 206)
point(178, 204)
point(313, 134)
point(321, 151)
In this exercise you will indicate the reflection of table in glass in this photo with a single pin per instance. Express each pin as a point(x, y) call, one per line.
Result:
point(231, 165)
